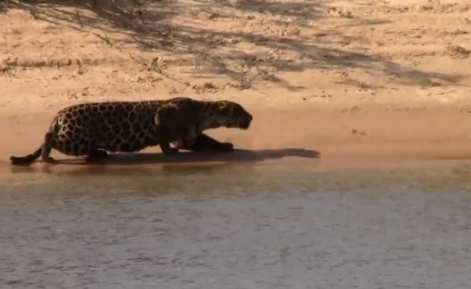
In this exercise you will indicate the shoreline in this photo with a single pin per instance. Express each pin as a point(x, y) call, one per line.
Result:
point(187, 164)
point(294, 136)
point(355, 83)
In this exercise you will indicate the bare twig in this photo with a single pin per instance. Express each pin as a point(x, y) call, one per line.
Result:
point(153, 65)
point(105, 38)
point(133, 58)
point(78, 17)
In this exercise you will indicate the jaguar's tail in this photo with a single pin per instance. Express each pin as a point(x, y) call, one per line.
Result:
point(29, 159)
point(26, 160)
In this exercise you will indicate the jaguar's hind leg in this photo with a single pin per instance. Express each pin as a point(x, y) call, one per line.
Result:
point(204, 142)
point(96, 154)
point(47, 147)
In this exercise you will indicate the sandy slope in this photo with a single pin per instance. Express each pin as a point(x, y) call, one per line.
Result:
point(348, 79)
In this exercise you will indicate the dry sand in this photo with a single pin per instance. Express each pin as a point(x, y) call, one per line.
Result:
point(343, 81)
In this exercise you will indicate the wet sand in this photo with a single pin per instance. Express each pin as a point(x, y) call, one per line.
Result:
point(293, 137)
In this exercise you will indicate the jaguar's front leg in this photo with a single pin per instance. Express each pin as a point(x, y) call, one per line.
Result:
point(203, 142)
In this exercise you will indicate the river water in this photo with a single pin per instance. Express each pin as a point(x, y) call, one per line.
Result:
point(237, 227)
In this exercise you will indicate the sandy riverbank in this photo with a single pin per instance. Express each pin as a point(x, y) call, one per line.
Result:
point(325, 80)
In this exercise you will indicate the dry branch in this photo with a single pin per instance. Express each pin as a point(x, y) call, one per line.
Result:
point(153, 65)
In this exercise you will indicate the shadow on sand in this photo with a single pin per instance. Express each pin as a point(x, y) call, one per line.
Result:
point(237, 156)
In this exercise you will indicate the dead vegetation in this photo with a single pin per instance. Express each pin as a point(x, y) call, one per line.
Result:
point(283, 37)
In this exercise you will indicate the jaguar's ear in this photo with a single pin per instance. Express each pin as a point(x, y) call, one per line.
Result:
point(165, 113)
point(225, 109)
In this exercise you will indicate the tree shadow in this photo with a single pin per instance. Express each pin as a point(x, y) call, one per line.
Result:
point(293, 46)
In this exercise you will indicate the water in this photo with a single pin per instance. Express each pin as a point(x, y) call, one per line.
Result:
point(237, 227)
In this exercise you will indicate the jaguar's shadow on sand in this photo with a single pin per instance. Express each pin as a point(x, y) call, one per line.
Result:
point(235, 156)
